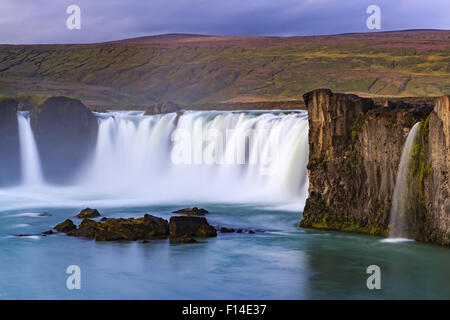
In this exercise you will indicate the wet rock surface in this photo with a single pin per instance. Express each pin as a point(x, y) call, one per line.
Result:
point(132, 229)
point(88, 213)
point(187, 239)
point(191, 226)
point(180, 229)
point(355, 150)
point(65, 226)
point(192, 211)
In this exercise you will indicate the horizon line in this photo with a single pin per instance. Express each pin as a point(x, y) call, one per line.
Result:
point(222, 36)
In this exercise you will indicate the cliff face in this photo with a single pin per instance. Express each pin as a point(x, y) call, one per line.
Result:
point(65, 131)
point(355, 150)
point(9, 143)
point(436, 185)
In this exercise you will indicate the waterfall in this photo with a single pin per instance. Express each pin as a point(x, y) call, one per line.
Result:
point(31, 168)
point(400, 196)
point(190, 157)
point(140, 156)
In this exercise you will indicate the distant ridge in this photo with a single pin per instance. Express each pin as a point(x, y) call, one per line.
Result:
point(197, 69)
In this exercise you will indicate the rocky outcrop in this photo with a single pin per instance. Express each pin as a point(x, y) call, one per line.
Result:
point(435, 189)
point(192, 211)
point(355, 149)
point(111, 229)
point(65, 226)
point(88, 213)
point(9, 142)
point(191, 226)
point(65, 131)
point(163, 107)
point(144, 228)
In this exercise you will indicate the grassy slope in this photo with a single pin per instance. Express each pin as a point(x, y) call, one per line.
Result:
point(202, 69)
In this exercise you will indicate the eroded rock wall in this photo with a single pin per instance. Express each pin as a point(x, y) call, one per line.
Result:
point(65, 131)
point(436, 183)
point(355, 150)
point(9, 143)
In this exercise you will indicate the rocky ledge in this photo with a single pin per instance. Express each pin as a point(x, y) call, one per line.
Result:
point(181, 229)
point(355, 150)
point(192, 211)
point(144, 228)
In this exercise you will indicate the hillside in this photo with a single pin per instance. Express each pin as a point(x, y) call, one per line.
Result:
point(195, 69)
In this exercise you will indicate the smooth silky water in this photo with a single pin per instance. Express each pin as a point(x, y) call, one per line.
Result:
point(131, 173)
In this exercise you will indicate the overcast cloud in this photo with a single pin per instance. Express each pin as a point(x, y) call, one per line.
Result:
point(38, 21)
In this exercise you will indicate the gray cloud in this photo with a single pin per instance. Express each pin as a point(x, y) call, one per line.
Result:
point(37, 21)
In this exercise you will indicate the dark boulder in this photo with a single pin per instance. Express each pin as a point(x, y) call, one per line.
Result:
point(206, 231)
point(192, 211)
point(187, 239)
point(10, 171)
point(88, 213)
point(131, 229)
point(65, 226)
point(226, 230)
point(159, 226)
point(106, 235)
point(46, 233)
point(87, 229)
point(163, 107)
point(65, 131)
point(191, 226)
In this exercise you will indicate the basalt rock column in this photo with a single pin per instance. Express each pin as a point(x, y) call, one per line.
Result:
point(9, 143)
point(65, 131)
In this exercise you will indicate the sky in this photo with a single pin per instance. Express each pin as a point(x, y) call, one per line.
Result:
point(39, 21)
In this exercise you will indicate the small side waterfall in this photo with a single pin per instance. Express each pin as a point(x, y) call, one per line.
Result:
point(31, 168)
point(400, 196)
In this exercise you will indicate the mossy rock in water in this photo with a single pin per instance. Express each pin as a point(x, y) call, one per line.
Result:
point(187, 239)
point(65, 226)
point(190, 226)
point(110, 229)
point(88, 228)
point(206, 230)
point(192, 211)
point(106, 235)
point(88, 213)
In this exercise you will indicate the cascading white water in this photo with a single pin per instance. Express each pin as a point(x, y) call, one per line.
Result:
point(192, 157)
point(400, 196)
point(136, 157)
point(31, 167)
